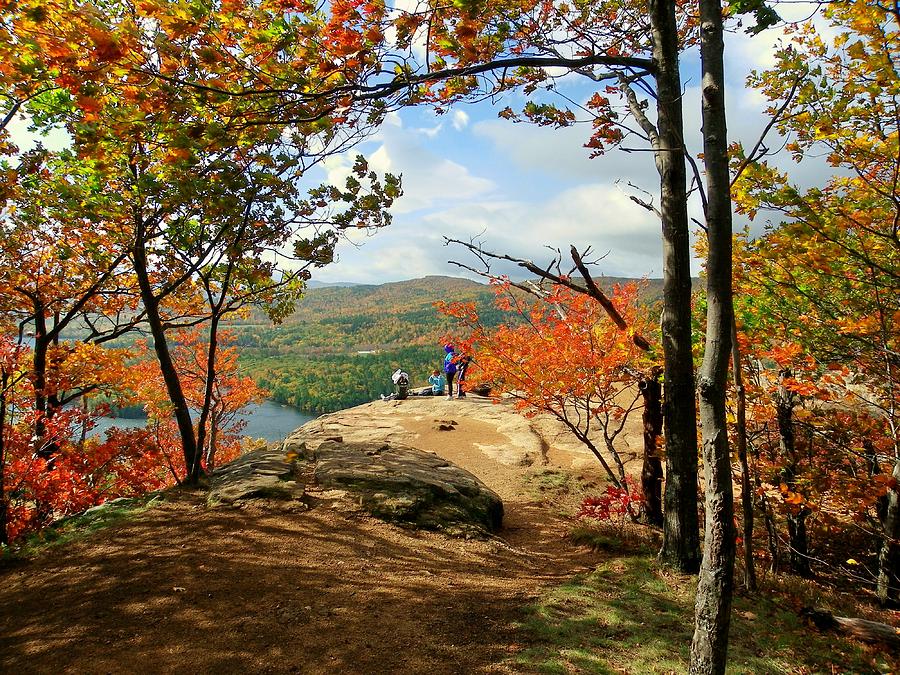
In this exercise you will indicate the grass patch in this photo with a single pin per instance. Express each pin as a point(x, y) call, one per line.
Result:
point(550, 481)
point(630, 615)
point(553, 483)
point(621, 539)
point(80, 526)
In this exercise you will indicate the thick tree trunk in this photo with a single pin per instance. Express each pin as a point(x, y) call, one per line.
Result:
point(166, 364)
point(46, 402)
point(741, 442)
point(888, 588)
point(714, 592)
point(652, 471)
point(681, 536)
point(39, 380)
point(44, 447)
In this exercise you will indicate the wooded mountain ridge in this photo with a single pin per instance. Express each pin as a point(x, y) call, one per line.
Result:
point(339, 347)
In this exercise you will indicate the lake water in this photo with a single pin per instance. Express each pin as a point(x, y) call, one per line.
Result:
point(269, 420)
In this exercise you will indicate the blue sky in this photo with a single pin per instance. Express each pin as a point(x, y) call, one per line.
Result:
point(521, 188)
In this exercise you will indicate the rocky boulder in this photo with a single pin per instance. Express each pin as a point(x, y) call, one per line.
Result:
point(408, 486)
point(390, 481)
point(260, 474)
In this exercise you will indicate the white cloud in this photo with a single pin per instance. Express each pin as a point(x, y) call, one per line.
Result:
point(596, 215)
point(410, 259)
point(55, 140)
point(392, 119)
point(460, 120)
point(428, 180)
point(337, 168)
point(430, 132)
point(600, 216)
point(561, 153)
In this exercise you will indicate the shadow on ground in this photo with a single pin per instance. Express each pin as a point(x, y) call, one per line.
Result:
point(264, 589)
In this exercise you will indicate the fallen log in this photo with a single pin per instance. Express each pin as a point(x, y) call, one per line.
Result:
point(861, 629)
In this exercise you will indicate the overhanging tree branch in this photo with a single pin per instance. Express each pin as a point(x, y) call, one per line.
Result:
point(590, 287)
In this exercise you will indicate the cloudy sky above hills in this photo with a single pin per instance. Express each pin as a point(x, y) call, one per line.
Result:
point(519, 188)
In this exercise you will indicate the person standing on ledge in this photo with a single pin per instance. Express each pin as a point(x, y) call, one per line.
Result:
point(463, 365)
point(449, 368)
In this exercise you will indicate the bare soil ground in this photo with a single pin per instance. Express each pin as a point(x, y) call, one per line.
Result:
point(275, 588)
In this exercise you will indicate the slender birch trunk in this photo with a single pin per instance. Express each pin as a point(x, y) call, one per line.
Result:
point(712, 618)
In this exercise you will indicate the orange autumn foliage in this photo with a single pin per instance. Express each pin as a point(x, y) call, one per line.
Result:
point(562, 355)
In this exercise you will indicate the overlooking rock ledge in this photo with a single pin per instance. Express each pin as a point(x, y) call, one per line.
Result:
point(390, 481)
point(393, 460)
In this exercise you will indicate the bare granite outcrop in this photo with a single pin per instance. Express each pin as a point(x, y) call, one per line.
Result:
point(363, 459)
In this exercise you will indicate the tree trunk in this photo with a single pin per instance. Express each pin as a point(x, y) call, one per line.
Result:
point(39, 380)
point(798, 554)
point(681, 536)
point(741, 441)
point(46, 402)
point(5, 378)
point(210, 374)
point(860, 629)
point(889, 556)
point(652, 472)
point(213, 440)
point(714, 592)
point(799, 551)
point(46, 449)
point(771, 533)
point(166, 364)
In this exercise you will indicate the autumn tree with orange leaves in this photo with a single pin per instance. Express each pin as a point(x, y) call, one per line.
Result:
point(562, 354)
point(201, 192)
point(84, 470)
point(230, 394)
point(59, 271)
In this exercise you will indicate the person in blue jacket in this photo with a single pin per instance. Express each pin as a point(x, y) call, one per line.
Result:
point(449, 368)
point(437, 383)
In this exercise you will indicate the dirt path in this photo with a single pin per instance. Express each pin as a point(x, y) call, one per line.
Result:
point(269, 588)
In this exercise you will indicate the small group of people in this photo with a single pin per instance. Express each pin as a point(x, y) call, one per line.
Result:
point(454, 370)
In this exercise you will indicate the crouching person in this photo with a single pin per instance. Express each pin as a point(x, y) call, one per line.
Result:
point(400, 378)
point(437, 383)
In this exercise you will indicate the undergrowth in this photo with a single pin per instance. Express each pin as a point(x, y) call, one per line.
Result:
point(549, 483)
point(631, 615)
point(620, 539)
point(79, 526)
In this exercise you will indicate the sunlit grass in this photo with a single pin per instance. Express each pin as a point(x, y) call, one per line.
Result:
point(631, 615)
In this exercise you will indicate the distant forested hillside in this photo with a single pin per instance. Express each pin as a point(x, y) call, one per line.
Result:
point(340, 346)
